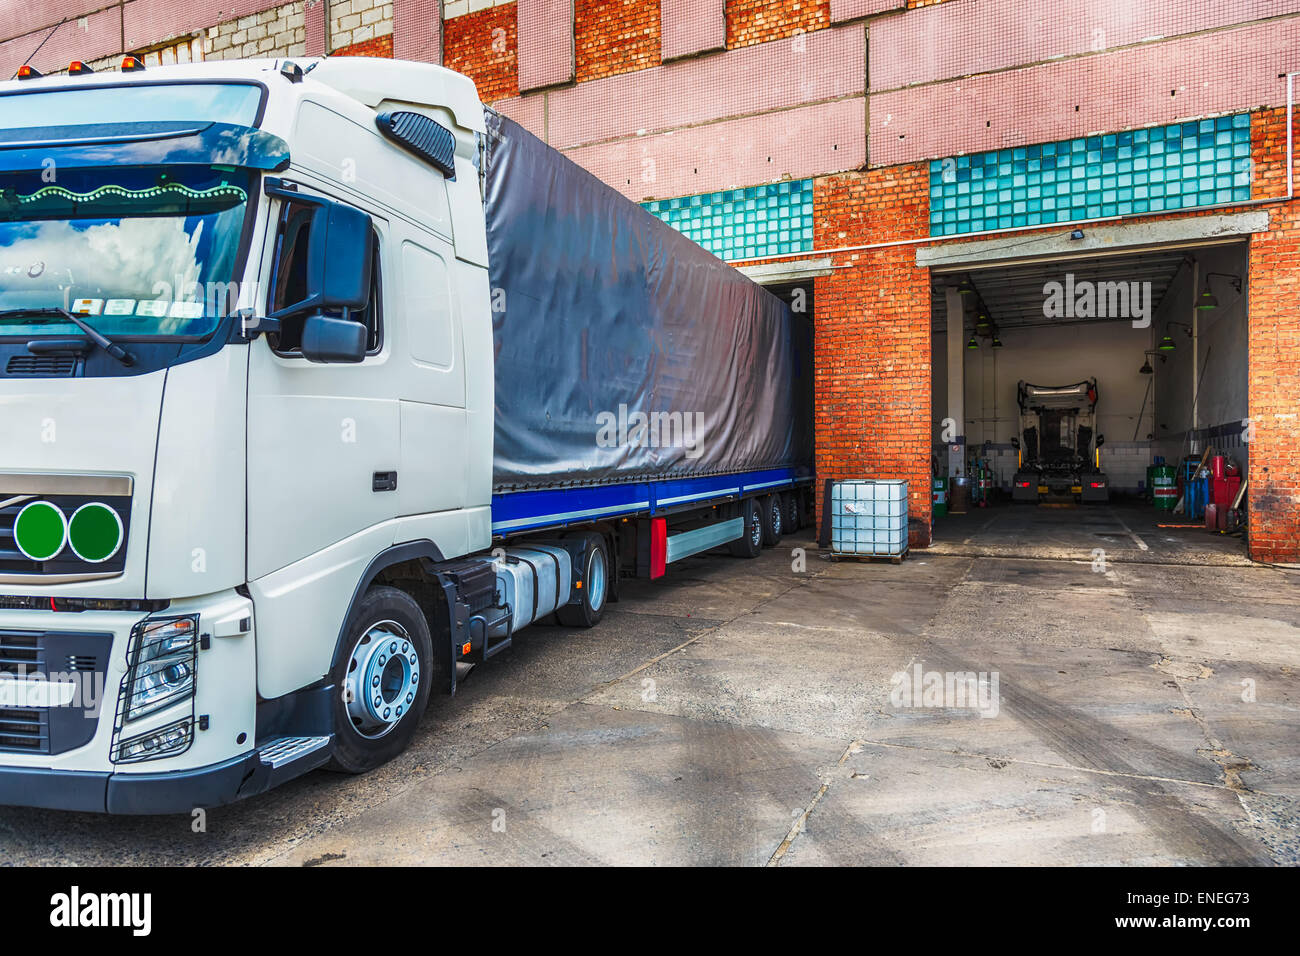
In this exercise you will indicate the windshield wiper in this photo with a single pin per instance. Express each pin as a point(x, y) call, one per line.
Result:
point(119, 353)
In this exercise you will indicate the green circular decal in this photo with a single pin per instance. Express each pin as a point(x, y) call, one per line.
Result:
point(95, 532)
point(40, 530)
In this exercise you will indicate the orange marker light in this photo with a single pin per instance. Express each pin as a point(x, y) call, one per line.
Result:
point(26, 72)
point(131, 64)
point(578, 585)
point(464, 649)
point(77, 68)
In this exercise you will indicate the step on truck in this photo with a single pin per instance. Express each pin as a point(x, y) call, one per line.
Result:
point(319, 382)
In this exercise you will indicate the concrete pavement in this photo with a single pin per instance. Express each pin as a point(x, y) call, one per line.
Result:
point(748, 713)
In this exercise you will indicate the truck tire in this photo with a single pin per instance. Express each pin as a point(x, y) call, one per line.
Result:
point(749, 544)
point(793, 521)
point(382, 677)
point(773, 520)
point(594, 593)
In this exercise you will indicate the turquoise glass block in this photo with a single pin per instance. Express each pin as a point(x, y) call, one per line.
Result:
point(760, 221)
point(1179, 166)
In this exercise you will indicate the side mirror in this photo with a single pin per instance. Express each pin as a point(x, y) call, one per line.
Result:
point(327, 338)
point(340, 251)
point(1101, 440)
point(1015, 443)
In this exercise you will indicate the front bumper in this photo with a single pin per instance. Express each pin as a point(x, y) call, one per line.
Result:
point(179, 791)
point(176, 791)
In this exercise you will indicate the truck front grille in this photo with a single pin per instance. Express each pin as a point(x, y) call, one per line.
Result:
point(78, 657)
point(14, 562)
point(24, 730)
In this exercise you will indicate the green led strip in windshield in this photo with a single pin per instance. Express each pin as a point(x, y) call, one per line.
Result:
point(224, 191)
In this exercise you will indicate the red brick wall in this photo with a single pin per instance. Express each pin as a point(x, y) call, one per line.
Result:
point(483, 46)
point(757, 21)
point(1274, 351)
point(379, 46)
point(615, 36)
point(872, 338)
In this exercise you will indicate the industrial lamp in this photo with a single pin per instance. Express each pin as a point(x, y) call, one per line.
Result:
point(972, 344)
point(966, 287)
point(997, 342)
point(1207, 299)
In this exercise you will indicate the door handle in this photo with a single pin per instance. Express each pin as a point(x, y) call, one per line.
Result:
point(385, 481)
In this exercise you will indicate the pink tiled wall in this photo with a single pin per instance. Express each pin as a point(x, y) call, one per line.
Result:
point(417, 30)
point(691, 26)
point(152, 21)
point(842, 10)
point(790, 144)
point(975, 36)
point(20, 18)
point(71, 41)
point(545, 42)
point(315, 40)
point(770, 76)
point(1208, 74)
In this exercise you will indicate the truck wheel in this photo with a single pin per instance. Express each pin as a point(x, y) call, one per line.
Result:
point(383, 677)
point(792, 522)
point(773, 520)
point(594, 590)
point(749, 544)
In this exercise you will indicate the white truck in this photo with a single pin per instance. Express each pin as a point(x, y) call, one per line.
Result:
point(318, 382)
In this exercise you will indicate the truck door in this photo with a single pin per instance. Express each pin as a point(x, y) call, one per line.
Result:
point(323, 439)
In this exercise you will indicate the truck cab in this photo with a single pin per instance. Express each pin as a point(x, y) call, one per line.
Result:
point(245, 373)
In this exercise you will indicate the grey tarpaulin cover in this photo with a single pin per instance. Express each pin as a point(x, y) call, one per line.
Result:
point(602, 314)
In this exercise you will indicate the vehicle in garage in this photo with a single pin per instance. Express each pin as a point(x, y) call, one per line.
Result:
point(1059, 452)
point(420, 382)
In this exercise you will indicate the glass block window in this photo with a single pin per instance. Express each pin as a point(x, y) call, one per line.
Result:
point(748, 223)
point(1201, 163)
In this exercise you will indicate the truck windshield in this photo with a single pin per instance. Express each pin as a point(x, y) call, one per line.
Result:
point(149, 251)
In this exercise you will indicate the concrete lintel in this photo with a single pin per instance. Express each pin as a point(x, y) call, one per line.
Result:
point(774, 273)
point(1098, 239)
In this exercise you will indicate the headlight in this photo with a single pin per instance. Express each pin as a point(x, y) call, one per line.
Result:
point(163, 742)
point(161, 671)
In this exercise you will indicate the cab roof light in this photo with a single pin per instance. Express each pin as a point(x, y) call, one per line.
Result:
point(77, 68)
point(28, 72)
point(132, 64)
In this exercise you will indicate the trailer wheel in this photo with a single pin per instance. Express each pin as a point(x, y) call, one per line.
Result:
point(792, 518)
point(749, 544)
point(382, 676)
point(773, 520)
point(594, 591)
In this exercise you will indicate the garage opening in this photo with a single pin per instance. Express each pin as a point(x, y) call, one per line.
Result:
point(1093, 401)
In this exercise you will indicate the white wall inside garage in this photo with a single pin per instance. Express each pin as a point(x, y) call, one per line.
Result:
point(1109, 351)
point(1221, 350)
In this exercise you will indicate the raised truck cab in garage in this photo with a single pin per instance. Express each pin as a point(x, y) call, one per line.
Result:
point(276, 464)
point(1059, 457)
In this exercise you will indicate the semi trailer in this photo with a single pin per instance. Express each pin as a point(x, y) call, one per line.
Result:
point(1058, 449)
point(319, 382)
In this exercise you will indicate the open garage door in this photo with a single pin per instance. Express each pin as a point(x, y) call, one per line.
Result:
point(1078, 400)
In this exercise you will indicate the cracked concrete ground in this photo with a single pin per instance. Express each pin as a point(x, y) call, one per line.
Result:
point(1146, 712)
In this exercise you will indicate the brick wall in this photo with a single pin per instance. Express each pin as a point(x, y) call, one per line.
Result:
point(483, 46)
point(356, 22)
point(378, 46)
point(1274, 354)
point(280, 31)
point(872, 336)
point(615, 36)
point(757, 21)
